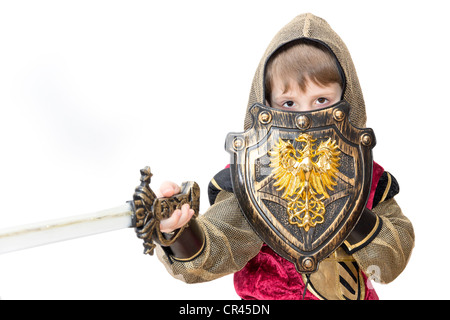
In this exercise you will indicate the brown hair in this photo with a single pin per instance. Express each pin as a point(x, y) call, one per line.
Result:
point(302, 60)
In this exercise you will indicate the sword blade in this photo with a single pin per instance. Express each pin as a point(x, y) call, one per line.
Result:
point(46, 232)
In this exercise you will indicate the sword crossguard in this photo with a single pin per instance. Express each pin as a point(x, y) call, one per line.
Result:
point(150, 210)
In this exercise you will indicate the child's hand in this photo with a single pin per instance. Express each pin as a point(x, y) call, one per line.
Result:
point(179, 217)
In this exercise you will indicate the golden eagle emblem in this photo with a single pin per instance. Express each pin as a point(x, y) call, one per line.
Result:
point(305, 175)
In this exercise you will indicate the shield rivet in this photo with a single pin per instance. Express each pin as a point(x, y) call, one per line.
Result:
point(338, 114)
point(366, 139)
point(265, 117)
point(303, 122)
point(238, 143)
point(308, 263)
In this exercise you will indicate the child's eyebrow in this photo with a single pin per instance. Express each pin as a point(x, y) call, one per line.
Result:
point(284, 96)
point(287, 92)
point(326, 93)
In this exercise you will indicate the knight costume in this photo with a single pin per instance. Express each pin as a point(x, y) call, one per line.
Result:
point(224, 240)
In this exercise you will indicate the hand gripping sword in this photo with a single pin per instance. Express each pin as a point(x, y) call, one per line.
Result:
point(143, 213)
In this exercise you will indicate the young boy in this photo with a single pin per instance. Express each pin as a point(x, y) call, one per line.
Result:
point(306, 67)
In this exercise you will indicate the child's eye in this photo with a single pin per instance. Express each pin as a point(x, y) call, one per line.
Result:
point(289, 104)
point(322, 100)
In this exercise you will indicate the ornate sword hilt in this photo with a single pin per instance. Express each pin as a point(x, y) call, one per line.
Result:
point(150, 210)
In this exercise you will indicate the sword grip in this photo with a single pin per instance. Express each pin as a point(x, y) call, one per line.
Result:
point(150, 210)
point(190, 193)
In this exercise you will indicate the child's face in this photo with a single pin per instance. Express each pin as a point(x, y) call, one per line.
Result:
point(312, 98)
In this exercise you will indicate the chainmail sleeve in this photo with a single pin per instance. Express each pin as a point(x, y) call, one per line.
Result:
point(230, 243)
point(387, 255)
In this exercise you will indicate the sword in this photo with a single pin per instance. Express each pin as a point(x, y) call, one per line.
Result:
point(143, 213)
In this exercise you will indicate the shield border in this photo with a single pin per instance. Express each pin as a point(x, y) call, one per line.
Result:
point(336, 117)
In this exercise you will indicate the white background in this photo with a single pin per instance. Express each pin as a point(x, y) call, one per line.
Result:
point(92, 91)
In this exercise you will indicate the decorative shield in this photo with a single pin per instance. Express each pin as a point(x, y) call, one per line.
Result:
point(302, 179)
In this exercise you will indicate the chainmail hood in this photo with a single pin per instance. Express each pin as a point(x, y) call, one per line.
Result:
point(314, 28)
